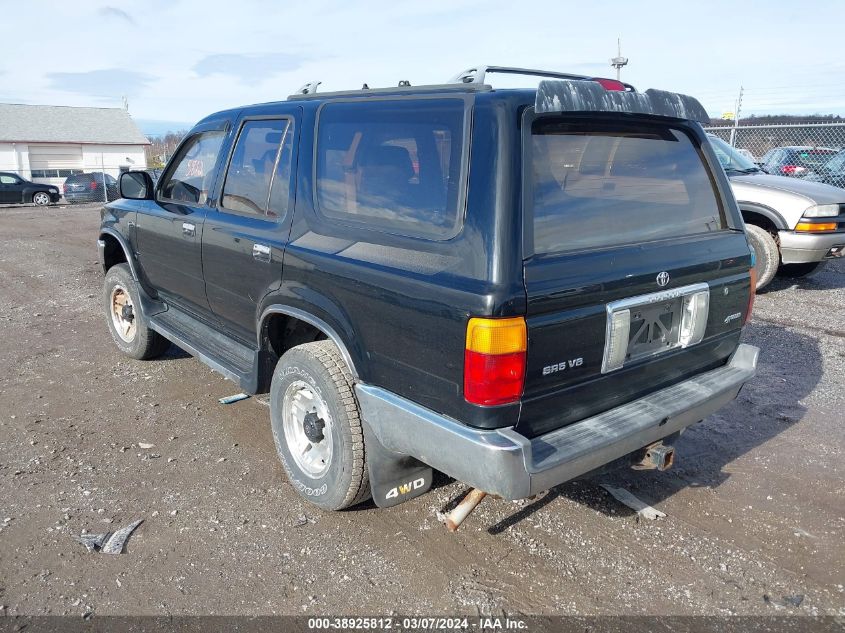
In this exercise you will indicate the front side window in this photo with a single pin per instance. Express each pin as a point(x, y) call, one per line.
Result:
point(394, 166)
point(192, 177)
point(261, 161)
point(8, 180)
point(597, 185)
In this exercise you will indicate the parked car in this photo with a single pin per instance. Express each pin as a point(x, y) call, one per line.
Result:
point(16, 190)
point(793, 225)
point(514, 329)
point(90, 187)
point(795, 161)
point(832, 172)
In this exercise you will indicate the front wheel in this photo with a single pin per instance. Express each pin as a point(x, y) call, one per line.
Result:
point(40, 199)
point(798, 270)
point(767, 254)
point(317, 426)
point(127, 323)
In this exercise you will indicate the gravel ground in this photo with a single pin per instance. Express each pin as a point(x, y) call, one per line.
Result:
point(755, 504)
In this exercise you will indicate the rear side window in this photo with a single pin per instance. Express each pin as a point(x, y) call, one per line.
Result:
point(394, 166)
point(193, 174)
point(261, 161)
point(837, 163)
point(596, 185)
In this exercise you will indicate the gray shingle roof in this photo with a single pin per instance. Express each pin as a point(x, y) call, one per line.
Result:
point(63, 124)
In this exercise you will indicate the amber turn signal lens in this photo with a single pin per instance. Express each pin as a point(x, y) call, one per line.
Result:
point(815, 227)
point(496, 336)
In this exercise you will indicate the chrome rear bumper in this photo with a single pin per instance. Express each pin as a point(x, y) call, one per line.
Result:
point(508, 464)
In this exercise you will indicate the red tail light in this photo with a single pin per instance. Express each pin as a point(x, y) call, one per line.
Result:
point(92, 185)
point(64, 187)
point(791, 170)
point(610, 84)
point(494, 360)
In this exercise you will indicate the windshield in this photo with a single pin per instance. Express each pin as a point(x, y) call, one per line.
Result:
point(605, 184)
point(729, 158)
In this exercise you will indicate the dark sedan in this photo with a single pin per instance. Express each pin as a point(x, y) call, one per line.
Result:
point(832, 172)
point(90, 187)
point(16, 190)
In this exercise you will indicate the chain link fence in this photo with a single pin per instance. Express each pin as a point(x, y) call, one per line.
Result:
point(788, 149)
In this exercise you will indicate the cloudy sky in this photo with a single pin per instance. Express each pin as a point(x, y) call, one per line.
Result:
point(177, 61)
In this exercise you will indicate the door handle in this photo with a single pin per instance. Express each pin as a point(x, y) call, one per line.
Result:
point(261, 252)
point(189, 230)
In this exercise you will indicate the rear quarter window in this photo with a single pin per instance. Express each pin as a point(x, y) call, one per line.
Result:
point(596, 185)
point(393, 165)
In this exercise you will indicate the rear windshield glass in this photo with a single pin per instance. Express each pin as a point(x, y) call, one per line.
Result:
point(393, 166)
point(814, 157)
point(596, 185)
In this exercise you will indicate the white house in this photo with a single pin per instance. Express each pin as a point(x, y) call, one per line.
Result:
point(47, 144)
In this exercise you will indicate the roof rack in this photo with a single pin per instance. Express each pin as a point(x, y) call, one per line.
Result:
point(374, 92)
point(477, 74)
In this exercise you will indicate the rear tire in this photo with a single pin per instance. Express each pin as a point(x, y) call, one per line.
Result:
point(767, 253)
point(798, 270)
point(317, 426)
point(127, 323)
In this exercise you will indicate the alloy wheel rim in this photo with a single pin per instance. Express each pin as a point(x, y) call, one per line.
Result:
point(123, 314)
point(304, 411)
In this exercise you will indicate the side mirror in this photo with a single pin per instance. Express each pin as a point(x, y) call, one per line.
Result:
point(136, 185)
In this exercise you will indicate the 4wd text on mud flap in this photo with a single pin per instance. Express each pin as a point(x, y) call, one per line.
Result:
point(403, 489)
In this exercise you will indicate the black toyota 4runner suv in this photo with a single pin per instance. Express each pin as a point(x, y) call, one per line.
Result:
point(514, 287)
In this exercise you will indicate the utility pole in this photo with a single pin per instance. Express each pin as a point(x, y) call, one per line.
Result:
point(618, 62)
point(736, 116)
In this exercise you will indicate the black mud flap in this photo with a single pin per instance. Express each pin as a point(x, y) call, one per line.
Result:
point(394, 477)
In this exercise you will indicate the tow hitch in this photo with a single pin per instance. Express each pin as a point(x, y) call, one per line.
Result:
point(657, 455)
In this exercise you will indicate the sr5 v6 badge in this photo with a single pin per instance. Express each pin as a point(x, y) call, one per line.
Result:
point(561, 366)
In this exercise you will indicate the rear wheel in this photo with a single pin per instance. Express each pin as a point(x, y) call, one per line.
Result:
point(317, 426)
point(127, 323)
point(767, 254)
point(40, 198)
point(798, 270)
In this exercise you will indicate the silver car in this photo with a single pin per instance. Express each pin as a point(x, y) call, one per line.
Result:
point(793, 225)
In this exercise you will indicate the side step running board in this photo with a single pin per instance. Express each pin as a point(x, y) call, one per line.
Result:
point(234, 360)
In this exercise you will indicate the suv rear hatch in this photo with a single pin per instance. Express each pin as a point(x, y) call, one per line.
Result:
point(636, 266)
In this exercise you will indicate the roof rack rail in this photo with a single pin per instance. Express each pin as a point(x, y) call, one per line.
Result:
point(398, 90)
point(476, 74)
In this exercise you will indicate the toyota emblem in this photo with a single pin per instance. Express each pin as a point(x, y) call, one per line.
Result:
point(663, 279)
